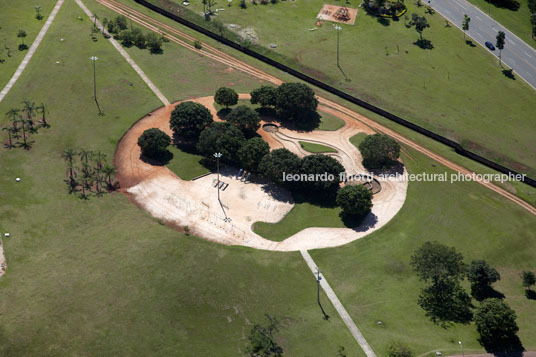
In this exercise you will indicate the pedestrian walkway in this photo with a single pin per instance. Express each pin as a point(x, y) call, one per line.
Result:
point(32, 50)
point(338, 306)
point(130, 61)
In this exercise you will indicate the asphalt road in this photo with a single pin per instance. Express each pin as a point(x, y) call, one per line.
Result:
point(516, 53)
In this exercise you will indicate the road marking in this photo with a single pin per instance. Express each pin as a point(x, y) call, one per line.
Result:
point(338, 306)
point(478, 18)
point(528, 54)
point(130, 61)
point(32, 50)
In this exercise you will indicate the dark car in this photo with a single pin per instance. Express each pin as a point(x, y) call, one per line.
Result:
point(490, 45)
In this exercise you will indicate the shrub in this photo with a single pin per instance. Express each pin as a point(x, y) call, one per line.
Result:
point(398, 349)
point(154, 42)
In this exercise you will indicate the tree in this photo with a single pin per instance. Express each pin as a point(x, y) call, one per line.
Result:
point(189, 119)
point(420, 24)
point(38, 12)
point(264, 95)
point(252, 152)
point(30, 110)
point(261, 340)
point(481, 276)
point(223, 138)
point(154, 43)
point(446, 302)
point(434, 261)
point(22, 34)
point(532, 6)
point(127, 38)
point(14, 116)
point(138, 38)
point(109, 171)
point(226, 97)
point(354, 200)
point(278, 162)
point(319, 165)
point(529, 279)
point(496, 323)
point(68, 155)
point(43, 110)
point(295, 102)
point(9, 130)
point(379, 151)
point(465, 24)
point(153, 142)
point(500, 44)
point(533, 23)
point(121, 22)
point(23, 122)
point(398, 349)
point(245, 119)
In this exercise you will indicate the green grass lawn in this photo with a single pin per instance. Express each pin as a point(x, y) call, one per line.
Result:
point(185, 165)
point(102, 277)
point(15, 16)
point(517, 21)
point(453, 89)
point(329, 122)
point(303, 215)
point(374, 281)
point(316, 148)
point(357, 139)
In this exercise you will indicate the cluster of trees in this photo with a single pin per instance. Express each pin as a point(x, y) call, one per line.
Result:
point(384, 7)
point(24, 122)
point(379, 151)
point(445, 301)
point(134, 36)
point(88, 172)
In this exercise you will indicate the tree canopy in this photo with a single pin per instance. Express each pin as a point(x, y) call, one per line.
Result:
point(245, 119)
point(434, 261)
point(277, 162)
point(226, 97)
point(188, 120)
point(379, 151)
point(496, 323)
point(354, 200)
point(223, 138)
point(295, 102)
point(262, 342)
point(420, 23)
point(398, 349)
point(529, 279)
point(264, 95)
point(321, 165)
point(252, 152)
point(153, 142)
point(481, 276)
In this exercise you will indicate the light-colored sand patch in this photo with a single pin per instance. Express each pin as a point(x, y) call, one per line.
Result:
point(3, 265)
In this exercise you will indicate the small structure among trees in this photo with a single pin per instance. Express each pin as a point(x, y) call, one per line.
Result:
point(385, 8)
point(342, 14)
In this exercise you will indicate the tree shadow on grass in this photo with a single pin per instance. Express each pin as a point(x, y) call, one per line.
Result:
point(383, 21)
point(359, 223)
point(508, 347)
point(308, 123)
point(530, 294)
point(486, 293)
point(509, 73)
point(160, 159)
point(424, 44)
point(470, 43)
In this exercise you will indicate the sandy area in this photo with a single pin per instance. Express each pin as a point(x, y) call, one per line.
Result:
point(327, 13)
point(195, 204)
point(3, 265)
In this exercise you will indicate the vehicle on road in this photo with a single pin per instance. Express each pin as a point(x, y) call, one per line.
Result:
point(490, 45)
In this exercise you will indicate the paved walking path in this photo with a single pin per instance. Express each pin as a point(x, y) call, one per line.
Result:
point(32, 50)
point(338, 306)
point(130, 61)
point(517, 54)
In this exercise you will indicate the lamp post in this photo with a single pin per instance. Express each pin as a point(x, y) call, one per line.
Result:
point(338, 29)
point(461, 347)
point(217, 155)
point(94, 59)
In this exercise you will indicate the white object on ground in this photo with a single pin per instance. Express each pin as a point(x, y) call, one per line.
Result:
point(17, 179)
point(6, 234)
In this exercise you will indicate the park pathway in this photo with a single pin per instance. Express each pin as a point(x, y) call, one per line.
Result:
point(516, 54)
point(32, 50)
point(130, 61)
point(338, 305)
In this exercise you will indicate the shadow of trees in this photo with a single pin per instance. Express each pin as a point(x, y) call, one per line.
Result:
point(424, 44)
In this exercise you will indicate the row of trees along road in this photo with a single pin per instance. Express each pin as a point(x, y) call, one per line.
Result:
point(446, 302)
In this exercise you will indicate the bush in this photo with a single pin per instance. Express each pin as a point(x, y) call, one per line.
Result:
point(277, 162)
point(121, 22)
point(138, 38)
point(197, 44)
point(245, 119)
point(379, 151)
point(295, 102)
point(126, 37)
point(354, 200)
point(154, 42)
point(398, 349)
point(223, 138)
point(264, 95)
point(226, 97)
point(153, 142)
point(189, 119)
